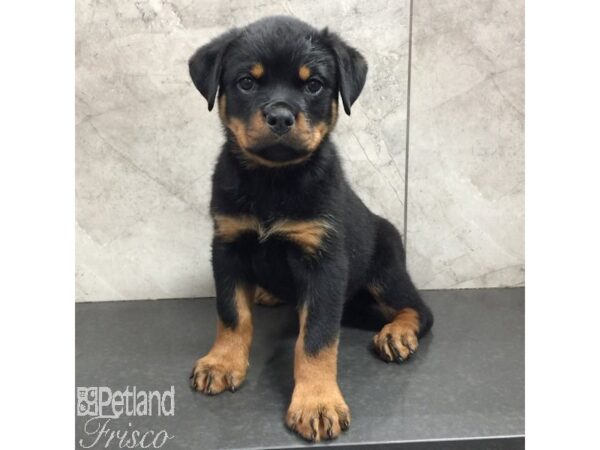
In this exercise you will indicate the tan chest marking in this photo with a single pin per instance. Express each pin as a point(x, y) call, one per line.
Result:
point(229, 228)
point(307, 234)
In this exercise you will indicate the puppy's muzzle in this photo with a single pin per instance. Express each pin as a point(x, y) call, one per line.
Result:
point(280, 118)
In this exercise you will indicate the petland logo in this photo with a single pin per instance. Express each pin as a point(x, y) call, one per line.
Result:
point(103, 405)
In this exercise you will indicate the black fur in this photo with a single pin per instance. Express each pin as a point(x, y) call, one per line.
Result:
point(205, 66)
point(363, 248)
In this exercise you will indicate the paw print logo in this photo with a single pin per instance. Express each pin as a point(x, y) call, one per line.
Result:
point(87, 401)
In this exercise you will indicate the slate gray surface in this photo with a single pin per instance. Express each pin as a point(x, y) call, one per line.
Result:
point(463, 389)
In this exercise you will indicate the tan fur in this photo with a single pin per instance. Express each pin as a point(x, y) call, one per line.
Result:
point(376, 291)
point(248, 135)
point(254, 159)
point(307, 234)
point(304, 73)
point(257, 132)
point(334, 113)
point(317, 410)
point(397, 340)
point(310, 136)
point(223, 108)
point(265, 298)
point(251, 134)
point(225, 365)
point(229, 228)
point(257, 70)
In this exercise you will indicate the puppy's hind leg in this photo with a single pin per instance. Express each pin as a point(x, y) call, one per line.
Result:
point(408, 317)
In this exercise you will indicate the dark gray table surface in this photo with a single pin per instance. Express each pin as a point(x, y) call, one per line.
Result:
point(464, 388)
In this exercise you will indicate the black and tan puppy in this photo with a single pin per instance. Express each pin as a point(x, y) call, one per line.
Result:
point(287, 226)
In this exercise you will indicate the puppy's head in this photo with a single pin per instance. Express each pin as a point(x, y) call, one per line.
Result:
point(278, 82)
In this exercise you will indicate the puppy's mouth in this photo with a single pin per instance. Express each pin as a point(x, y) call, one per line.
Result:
point(279, 150)
point(258, 142)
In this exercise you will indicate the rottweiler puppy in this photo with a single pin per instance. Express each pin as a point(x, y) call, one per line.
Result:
point(287, 225)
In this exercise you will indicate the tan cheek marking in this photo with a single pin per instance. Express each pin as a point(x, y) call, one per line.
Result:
point(302, 128)
point(334, 113)
point(257, 131)
point(319, 132)
point(229, 228)
point(304, 73)
point(223, 108)
point(306, 234)
point(258, 128)
point(309, 136)
point(257, 70)
point(247, 135)
point(238, 128)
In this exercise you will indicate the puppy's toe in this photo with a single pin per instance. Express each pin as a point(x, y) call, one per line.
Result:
point(394, 343)
point(317, 417)
point(212, 376)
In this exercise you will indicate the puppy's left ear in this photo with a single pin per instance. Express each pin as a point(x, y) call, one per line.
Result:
point(206, 65)
point(351, 67)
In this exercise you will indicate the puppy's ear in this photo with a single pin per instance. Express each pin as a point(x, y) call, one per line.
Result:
point(351, 68)
point(206, 64)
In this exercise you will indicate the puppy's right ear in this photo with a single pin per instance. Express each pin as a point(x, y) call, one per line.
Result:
point(206, 64)
point(351, 67)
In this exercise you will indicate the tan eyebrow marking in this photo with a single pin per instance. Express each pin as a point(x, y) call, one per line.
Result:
point(257, 70)
point(304, 72)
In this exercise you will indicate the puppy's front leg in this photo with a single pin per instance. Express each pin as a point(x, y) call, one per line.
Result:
point(318, 410)
point(225, 365)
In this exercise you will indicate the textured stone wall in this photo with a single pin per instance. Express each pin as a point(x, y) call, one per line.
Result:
point(146, 144)
point(466, 160)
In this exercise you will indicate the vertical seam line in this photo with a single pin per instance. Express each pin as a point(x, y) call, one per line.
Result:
point(407, 143)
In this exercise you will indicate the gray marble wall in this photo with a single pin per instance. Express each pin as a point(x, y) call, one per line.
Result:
point(466, 159)
point(145, 143)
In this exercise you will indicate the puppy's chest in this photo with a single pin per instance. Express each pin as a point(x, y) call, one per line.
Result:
point(309, 235)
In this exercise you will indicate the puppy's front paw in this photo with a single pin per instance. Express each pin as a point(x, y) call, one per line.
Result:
point(396, 342)
point(316, 415)
point(213, 374)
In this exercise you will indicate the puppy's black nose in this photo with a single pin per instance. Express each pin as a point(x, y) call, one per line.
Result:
point(280, 119)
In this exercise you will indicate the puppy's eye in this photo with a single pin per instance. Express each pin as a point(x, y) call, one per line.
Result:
point(246, 83)
point(313, 86)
